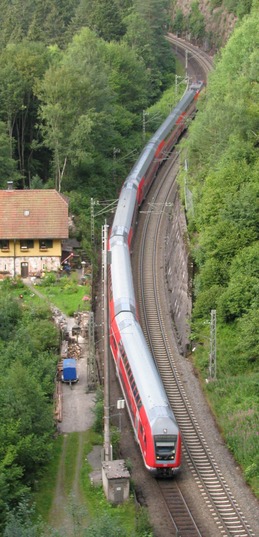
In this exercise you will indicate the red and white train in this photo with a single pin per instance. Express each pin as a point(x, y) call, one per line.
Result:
point(153, 421)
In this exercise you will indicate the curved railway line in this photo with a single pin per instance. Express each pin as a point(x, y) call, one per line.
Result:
point(197, 63)
point(154, 319)
point(222, 509)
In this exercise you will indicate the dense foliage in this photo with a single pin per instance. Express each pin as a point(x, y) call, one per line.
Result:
point(193, 23)
point(28, 345)
point(238, 7)
point(62, 90)
point(224, 163)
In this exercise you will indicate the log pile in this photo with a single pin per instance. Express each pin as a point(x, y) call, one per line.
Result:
point(74, 349)
point(58, 399)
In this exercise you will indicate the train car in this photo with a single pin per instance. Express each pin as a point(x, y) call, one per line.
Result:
point(142, 174)
point(121, 290)
point(125, 212)
point(153, 421)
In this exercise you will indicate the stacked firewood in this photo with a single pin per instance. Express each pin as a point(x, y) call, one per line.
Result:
point(58, 395)
point(74, 349)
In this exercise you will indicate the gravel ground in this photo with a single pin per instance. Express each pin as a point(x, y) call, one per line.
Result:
point(77, 403)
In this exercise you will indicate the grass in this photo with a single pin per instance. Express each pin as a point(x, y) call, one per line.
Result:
point(68, 300)
point(66, 294)
point(233, 398)
point(46, 485)
point(94, 502)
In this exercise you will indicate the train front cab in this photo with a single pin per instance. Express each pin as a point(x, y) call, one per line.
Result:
point(167, 454)
point(162, 451)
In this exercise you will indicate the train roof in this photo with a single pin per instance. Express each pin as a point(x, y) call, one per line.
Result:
point(124, 211)
point(149, 150)
point(143, 162)
point(123, 294)
point(166, 126)
point(147, 378)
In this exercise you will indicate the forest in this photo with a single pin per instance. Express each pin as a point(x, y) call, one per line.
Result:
point(75, 78)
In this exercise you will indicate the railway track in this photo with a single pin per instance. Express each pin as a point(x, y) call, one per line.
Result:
point(179, 512)
point(197, 62)
point(155, 321)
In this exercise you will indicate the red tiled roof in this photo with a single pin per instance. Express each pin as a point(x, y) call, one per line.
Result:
point(33, 214)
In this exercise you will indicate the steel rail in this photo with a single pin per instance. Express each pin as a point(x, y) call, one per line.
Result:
point(213, 487)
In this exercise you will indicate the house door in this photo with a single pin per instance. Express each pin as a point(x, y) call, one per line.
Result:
point(24, 270)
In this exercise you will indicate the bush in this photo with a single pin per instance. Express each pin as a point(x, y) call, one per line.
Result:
point(143, 526)
point(49, 279)
point(98, 412)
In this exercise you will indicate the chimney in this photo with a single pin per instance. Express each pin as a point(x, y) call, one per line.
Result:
point(9, 185)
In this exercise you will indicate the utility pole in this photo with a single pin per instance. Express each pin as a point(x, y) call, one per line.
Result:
point(176, 84)
point(92, 220)
point(107, 450)
point(186, 63)
point(213, 347)
point(91, 364)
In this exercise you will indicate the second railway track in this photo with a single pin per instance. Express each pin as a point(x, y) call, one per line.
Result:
point(156, 324)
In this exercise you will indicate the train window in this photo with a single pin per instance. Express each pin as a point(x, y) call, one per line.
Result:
point(165, 447)
point(139, 402)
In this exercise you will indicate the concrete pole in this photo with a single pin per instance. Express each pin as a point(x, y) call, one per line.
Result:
point(106, 347)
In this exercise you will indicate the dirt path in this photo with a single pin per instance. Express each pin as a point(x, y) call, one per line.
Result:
point(77, 416)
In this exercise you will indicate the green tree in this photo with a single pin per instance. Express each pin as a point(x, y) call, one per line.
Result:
point(247, 340)
point(72, 95)
point(196, 22)
point(10, 314)
point(20, 66)
point(38, 21)
point(21, 522)
point(8, 168)
point(26, 396)
point(179, 22)
point(146, 26)
point(101, 16)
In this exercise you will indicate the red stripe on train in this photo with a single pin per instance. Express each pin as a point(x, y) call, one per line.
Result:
point(159, 149)
point(180, 119)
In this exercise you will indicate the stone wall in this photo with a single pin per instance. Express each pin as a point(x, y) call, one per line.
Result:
point(177, 275)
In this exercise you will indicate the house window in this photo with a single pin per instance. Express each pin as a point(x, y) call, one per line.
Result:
point(45, 244)
point(4, 244)
point(26, 244)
